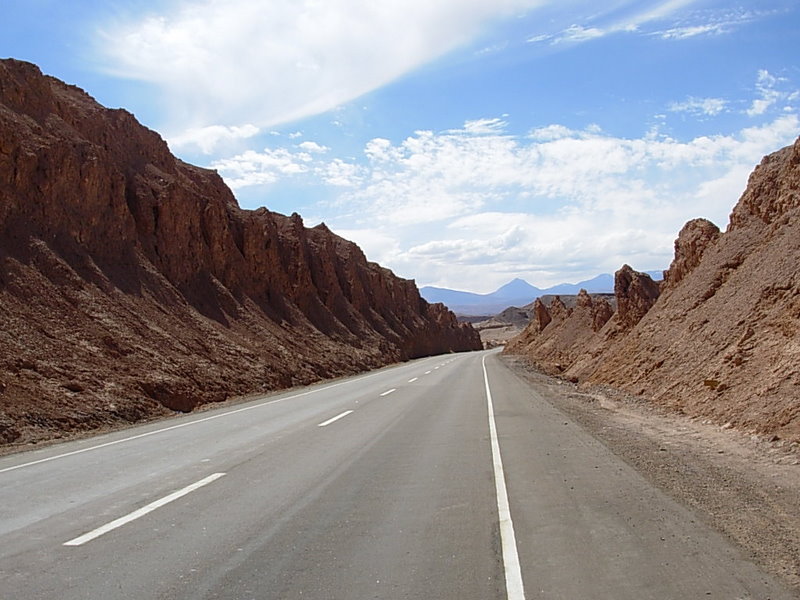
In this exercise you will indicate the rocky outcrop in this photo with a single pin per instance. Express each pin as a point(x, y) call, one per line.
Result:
point(554, 342)
point(132, 283)
point(541, 316)
point(722, 341)
point(636, 293)
point(693, 240)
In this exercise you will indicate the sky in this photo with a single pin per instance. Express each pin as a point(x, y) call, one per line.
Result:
point(461, 143)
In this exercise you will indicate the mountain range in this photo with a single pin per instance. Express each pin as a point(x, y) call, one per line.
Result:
point(516, 292)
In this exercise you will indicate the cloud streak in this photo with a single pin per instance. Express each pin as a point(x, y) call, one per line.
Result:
point(685, 25)
point(219, 61)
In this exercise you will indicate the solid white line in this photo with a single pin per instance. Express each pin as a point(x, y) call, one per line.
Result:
point(513, 571)
point(388, 392)
point(336, 418)
point(186, 424)
point(413, 380)
point(96, 533)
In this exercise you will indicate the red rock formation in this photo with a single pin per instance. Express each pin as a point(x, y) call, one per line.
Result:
point(555, 345)
point(131, 282)
point(558, 310)
point(541, 316)
point(693, 240)
point(723, 342)
point(636, 293)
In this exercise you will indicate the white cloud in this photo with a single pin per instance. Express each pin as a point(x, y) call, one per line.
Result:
point(767, 85)
point(709, 107)
point(313, 147)
point(542, 37)
point(567, 202)
point(634, 17)
point(578, 33)
point(261, 168)
point(558, 201)
point(708, 23)
point(682, 33)
point(483, 126)
point(209, 138)
point(341, 173)
point(217, 60)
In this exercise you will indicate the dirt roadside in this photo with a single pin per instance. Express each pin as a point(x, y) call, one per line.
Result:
point(746, 487)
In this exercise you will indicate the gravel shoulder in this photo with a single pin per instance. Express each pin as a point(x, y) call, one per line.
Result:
point(745, 486)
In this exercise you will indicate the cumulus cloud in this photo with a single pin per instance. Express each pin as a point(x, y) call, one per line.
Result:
point(553, 204)
point(208, 139)
point(262, 168)
point(560, 200)
point(313, 147)
point(274, 62)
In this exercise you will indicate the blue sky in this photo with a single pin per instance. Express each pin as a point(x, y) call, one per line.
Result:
point(461, 143)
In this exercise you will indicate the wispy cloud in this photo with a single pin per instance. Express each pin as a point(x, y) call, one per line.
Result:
point(680, 22)
point(700, 24)
point(217, 60)
point(622, 17)
point(578, 33)
point(769, 91)
point(688, 31)
point(709, 107)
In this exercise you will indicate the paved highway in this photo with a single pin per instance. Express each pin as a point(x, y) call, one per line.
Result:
point(442, 478)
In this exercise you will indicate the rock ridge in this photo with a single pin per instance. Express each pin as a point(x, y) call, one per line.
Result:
point(719, 338)
point(132, 283)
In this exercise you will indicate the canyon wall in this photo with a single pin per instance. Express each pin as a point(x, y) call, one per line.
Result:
point(719, 338)
point(132, 284)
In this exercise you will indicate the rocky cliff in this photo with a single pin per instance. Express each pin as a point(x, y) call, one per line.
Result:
point(720, 339)
point(557, 335)
point(132, 284)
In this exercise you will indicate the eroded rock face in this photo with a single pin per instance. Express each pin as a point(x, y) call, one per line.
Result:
point(636, 293)
point(558, 310)
point(602, 312)
point(131, 282)
point(541, 316)
point(555, 343)
point(772, 193)
point(723, 341)
point(693, 240)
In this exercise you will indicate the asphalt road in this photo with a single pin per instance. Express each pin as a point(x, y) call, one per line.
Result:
point(377, 486)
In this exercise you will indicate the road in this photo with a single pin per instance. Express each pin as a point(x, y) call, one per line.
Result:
point(385, 485)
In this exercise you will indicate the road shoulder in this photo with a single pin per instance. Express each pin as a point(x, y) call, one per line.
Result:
point(745, 487)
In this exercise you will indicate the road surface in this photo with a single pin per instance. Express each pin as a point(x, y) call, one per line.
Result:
point(441, 478)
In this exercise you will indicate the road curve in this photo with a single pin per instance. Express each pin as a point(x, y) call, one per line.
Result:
point(377, 486)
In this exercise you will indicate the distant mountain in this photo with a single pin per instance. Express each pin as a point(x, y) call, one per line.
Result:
point(516, 292)
point(516, 288)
